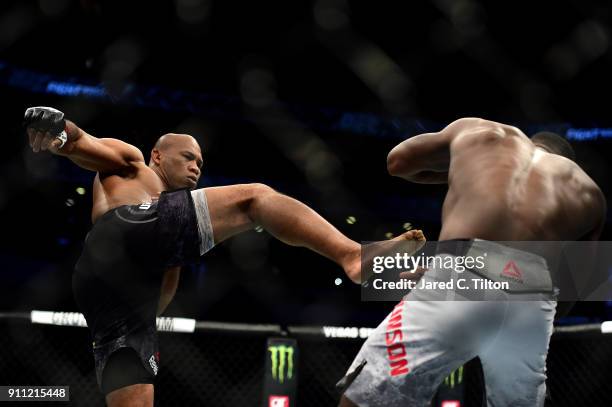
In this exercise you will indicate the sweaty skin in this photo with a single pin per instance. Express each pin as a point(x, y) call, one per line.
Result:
point(501, 186)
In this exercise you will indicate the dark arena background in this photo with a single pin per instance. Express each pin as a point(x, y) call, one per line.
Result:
point(307, 97)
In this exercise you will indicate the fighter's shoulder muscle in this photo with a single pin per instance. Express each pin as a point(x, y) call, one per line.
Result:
point(479, 129)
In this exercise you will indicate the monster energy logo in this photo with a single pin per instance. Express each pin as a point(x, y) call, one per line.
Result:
point(282, 358)
point(450, 379)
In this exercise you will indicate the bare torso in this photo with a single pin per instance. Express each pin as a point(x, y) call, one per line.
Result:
point(140, 184)
point(502, 187)
point(137, 185)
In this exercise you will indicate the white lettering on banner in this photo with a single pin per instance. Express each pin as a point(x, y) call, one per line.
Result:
point(68, 319)
point(165, 324)
point(346, 332)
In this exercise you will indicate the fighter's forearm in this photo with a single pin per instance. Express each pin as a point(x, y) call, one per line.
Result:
point(85, 153)
point(71, 148)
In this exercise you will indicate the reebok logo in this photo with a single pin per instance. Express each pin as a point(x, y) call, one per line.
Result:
point(512, 272)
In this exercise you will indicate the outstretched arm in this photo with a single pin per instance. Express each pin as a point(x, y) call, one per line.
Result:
point(423, 159)
point(44, 126)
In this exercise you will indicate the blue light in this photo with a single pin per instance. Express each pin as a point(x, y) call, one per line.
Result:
point(63, 241)
point(231, 107)
point(72, 89)
point(589, 133)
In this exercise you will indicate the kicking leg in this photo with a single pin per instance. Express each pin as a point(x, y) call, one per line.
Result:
point(237, 208)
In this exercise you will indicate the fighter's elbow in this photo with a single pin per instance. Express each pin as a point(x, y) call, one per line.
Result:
point(395, 164)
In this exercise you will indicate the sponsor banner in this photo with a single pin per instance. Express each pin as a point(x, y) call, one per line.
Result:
point(451, 392)
point(346, 332)
point(280, 379)
point(164, 324)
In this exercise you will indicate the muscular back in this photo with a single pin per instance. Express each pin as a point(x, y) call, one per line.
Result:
point(500, 185)
point(503, 187)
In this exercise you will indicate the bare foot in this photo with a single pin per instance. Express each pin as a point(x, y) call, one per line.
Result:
point(354, 261)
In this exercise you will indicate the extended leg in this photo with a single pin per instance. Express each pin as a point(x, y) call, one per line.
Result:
point(237, 208)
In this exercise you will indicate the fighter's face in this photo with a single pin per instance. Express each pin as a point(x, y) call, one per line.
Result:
point(181, 162)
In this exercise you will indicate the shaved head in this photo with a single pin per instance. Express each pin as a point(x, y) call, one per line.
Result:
point(169, 139)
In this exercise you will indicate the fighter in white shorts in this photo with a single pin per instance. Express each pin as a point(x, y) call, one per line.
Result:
point(502, 186)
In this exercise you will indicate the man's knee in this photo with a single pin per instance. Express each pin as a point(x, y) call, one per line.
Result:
point(258, 193)
point(258, 190)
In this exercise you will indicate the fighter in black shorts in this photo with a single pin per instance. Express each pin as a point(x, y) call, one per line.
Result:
point(142, 234)
point(117, 282)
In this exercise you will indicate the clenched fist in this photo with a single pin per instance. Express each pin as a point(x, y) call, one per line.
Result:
point(46, 128)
